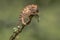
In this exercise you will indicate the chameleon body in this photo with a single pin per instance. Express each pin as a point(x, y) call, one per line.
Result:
point(30, 10)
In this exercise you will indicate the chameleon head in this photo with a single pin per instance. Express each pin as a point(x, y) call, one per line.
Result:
point(35, 8)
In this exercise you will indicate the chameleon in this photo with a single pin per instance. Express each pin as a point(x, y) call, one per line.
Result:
point(27, 12)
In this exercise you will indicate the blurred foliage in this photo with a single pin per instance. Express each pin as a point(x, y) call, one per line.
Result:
point(47, 29)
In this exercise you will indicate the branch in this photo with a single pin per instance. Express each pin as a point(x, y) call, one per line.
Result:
point(13, 36)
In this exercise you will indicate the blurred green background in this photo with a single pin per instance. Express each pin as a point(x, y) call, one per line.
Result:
point(47, 29)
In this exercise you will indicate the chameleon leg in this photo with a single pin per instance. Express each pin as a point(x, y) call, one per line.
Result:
point(30, 18)
point(23, 21)
point(37, 17)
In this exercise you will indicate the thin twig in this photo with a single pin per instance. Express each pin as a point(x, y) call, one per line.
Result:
point(13, 36)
